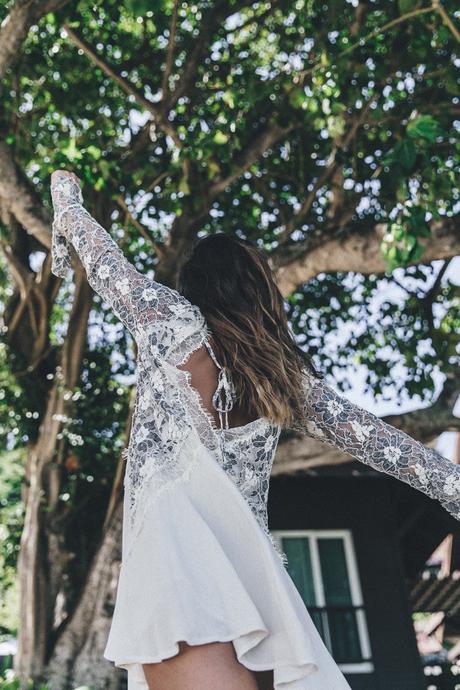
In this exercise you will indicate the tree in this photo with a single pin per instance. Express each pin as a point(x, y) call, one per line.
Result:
point(327, 133)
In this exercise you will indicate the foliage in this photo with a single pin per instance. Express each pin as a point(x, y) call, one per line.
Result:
point(402, 166)
point(403, 161)
point(93, 439)
point(10, 682)
point(11, 524)
point(386, 325)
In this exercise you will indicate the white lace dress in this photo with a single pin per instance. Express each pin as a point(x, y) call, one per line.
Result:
point(198, 561)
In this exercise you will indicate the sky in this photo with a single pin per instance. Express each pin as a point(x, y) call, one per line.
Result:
point(446, 443)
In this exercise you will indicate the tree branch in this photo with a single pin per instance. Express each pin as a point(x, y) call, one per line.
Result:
point(170, 52)
point(299, 77)
point(213, 19)
point(355, 251)
point(126, 86)
point(427, 300)
point(185, 226)
point(15, 27)
point(18, 271)
point(143, 231)
point(328, 172)
point(249, 155)
point(19, 198)
point(447, 20)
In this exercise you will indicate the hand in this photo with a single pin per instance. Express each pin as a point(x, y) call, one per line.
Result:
point(58, 175)
point(65, 188)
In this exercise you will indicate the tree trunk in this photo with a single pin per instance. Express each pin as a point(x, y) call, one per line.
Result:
point(77, 656)
point(42, 557)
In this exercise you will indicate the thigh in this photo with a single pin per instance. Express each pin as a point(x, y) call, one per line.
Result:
point(201, 667)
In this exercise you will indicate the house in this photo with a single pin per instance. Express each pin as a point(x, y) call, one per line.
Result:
point(435, 597)
point(356, 541)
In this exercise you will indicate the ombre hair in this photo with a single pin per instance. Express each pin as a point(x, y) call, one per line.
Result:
point(231, 281)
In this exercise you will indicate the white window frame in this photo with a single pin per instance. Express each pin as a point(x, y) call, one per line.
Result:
point(353, 577)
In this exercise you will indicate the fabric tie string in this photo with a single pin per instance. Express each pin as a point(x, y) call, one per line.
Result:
point(223, 395)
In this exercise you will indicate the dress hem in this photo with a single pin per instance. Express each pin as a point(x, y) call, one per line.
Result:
point(301, 669)
point(205, 640)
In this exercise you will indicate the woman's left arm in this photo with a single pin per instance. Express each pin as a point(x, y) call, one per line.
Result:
point(339, 422)
point(137, 300)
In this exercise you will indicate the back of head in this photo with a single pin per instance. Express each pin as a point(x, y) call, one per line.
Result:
point(230, 280)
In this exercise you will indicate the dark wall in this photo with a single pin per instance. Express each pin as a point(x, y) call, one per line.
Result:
point(366, 506)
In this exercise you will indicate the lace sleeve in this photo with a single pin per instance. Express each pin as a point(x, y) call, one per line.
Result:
point(337, 421)
point(138, 301)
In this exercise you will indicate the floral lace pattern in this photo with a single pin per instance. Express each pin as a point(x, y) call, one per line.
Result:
point(160, 320)
point(167, 329)
point(247, 458)
point(151, 311)
point(342, 424)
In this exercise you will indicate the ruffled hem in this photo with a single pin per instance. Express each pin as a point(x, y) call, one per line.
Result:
point(203, 570)
point(289, 677)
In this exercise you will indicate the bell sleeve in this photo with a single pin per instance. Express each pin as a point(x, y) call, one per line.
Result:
point(333, 419)
point(145, 306)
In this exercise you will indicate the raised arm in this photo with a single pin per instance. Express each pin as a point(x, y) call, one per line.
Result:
point(138, 301)
point(337, 421)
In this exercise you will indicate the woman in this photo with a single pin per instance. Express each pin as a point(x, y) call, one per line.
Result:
point(204, 601)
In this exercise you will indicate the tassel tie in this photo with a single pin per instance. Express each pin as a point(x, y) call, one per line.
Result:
point(223, 395)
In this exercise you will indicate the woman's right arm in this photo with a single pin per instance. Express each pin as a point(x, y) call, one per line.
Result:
point(333, 419)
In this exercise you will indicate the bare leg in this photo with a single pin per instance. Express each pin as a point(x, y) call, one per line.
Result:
point(201, 667)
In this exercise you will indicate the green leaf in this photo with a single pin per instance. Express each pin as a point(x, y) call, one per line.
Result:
point(104, 168)
point(297, 97)
point(229, 98)
point(71, 152)
point(138, 7)
point(336, 125)
point(220, 138)
point(424, 126)
point(94, 152)
point(398, 232)
point(405, 153)
point(418, 223)
point(213, 167)
point(417, 252)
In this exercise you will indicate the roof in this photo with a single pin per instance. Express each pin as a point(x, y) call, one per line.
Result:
point(430, 593)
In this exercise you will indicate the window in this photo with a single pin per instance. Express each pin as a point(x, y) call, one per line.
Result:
point(322, 565)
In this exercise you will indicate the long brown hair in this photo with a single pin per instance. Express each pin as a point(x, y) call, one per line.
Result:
point(231, 281)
